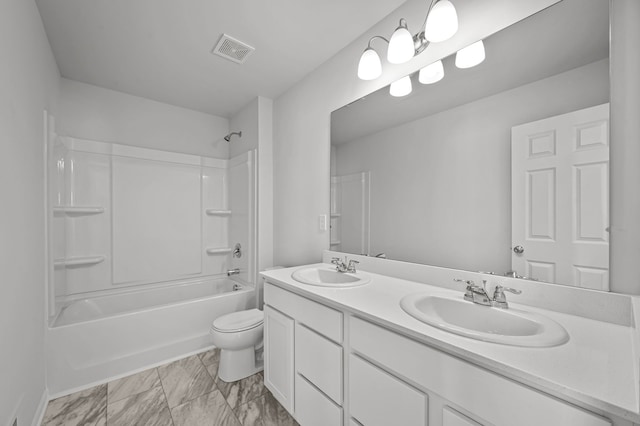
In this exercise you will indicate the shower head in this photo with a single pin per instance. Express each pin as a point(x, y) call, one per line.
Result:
point(228, 137)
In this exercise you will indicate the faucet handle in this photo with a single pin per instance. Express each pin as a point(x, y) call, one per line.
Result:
point(335, 260)
point(352, 265)
point(502, 289)
point(467, 282)
point(499, 299)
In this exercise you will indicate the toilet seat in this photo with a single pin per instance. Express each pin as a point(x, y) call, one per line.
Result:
point(238, 321)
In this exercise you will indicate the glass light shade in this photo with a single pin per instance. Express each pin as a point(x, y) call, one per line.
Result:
point(401, 48)
point(442, 22)
point(401, 87)
point(471, 55)
point(369, 67)
point(432, 73)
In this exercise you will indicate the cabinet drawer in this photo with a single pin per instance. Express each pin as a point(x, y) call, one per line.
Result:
point(378, 398)
point(320, 318)
point(319, 360)
point(494, 398)
point(451, 417)
point(313, 408)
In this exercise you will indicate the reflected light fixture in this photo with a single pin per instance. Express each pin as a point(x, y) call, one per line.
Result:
point(440, 24)
point(401, 87)
point(471, 55)
point(432, 73)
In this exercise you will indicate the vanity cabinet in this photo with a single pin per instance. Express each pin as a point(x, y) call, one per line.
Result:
point(488, 397)
point(328, 367)
point(304, 357)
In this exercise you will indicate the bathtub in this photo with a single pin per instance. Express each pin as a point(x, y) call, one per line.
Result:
point(95, 340)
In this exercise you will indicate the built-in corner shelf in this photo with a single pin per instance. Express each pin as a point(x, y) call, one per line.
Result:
point(335, 243)
point(335, 215)
point(77, 210)
point(219, 250)
point(218, 212)
point(78, 261)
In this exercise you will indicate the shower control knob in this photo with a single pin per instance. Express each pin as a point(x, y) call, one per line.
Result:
point(518, 249)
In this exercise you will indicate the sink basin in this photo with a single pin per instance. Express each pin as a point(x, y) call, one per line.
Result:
point(507, 326)
point(327, 276)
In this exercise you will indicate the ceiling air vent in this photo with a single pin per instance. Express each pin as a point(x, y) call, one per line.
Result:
point(232, 49)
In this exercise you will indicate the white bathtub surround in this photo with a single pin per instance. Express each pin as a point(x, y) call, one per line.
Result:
point(597, 369)
point(125, 337)
point(123, 216)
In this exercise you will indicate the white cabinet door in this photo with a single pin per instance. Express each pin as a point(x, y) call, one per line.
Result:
point(278, 356)
point(560, 198)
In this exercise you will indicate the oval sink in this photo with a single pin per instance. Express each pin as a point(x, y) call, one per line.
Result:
point(327, 276)
point(507, 326)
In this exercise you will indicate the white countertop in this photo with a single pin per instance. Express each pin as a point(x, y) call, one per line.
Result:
point(597, 369)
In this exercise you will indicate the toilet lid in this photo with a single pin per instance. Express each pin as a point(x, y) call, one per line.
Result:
point(239, 321)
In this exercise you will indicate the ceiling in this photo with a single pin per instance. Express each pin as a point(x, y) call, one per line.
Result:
point(567, 35)
point(160, 49)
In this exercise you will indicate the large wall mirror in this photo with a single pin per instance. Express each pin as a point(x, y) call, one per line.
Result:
point(500, 168)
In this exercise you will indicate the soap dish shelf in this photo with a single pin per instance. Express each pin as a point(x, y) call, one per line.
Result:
point(71, 262)
point(218, 212)
point(219, 250)
point(77, 210)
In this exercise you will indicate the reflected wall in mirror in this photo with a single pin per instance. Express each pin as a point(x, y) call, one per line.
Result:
point(433, 177)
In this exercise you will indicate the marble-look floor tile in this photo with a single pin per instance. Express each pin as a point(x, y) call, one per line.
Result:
point(242, 391)
point(211, 360)
point(132, 385)
point(87, 407)
point(207, 410)
point(264, 411)
point(144, 409)
point(184, 380)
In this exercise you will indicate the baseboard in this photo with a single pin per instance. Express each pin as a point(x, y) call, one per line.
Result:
point(42, 407)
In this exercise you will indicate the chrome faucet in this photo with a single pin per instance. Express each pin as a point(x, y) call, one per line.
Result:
point(477, 294)
point(235, 271)
point(343, 266)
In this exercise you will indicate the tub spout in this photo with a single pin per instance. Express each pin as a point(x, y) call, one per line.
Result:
point(233, 272)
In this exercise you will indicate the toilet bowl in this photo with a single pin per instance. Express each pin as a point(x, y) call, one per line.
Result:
point(238, 335)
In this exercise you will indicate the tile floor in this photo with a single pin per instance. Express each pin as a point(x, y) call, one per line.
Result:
point(181, 393)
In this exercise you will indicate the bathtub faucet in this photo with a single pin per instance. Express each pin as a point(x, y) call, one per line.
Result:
point(233, 272)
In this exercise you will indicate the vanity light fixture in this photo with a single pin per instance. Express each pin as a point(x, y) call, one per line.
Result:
point(471, 55)
point(432, 73)
point(440, 24)
point(401, 87)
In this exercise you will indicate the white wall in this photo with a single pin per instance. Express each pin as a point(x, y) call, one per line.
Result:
point(302, 118)
point(625, 146)
point(91, 112)
point(441, 185)
point(255, 121)
point(28, 84)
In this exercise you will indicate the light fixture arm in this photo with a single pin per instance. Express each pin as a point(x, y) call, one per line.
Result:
point(373, 38)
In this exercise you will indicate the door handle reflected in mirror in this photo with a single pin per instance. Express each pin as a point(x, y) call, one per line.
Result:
point(518, 249)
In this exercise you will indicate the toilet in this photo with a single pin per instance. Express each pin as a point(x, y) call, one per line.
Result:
point(238, 335)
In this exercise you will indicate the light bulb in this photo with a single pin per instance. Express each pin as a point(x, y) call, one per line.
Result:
point(400, 87)
point(369, 67)
point(401, 47)
point(442, 22)
point(471, 55)
point(432, 73)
